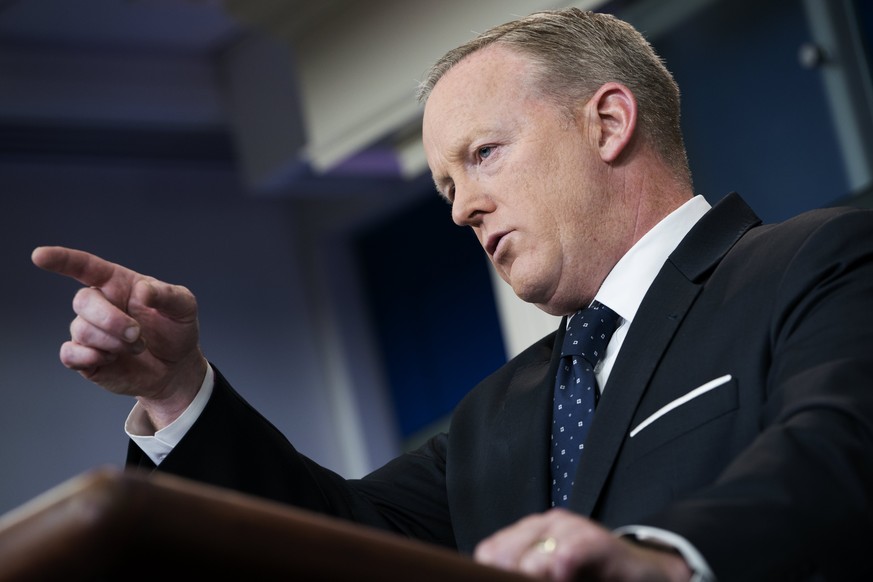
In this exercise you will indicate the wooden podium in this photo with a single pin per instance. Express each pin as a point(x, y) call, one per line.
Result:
point(109, 524)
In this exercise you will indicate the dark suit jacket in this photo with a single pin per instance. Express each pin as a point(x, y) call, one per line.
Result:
point(768, 473)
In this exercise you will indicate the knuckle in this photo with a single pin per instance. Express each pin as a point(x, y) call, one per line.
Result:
point(83, 333)
point(77, 330)
point(68, 356)
point(81, 299)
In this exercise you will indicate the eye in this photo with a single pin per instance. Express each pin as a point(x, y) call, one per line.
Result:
point(485, 152)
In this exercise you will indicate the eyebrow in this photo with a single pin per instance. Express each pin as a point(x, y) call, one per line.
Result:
point(456, 152)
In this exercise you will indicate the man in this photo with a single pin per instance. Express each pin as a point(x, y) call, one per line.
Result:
point(733, 436)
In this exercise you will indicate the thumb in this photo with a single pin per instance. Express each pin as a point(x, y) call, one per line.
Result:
point(175, 302)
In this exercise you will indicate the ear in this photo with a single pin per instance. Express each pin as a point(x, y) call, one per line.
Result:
point(613, 113)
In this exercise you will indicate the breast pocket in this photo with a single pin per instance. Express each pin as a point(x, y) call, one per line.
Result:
point(693, 410)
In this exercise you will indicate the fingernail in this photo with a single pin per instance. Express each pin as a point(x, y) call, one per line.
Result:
point(138, 347)
point(131, 333)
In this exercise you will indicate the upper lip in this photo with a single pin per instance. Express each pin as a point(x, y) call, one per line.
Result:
point(493, 240)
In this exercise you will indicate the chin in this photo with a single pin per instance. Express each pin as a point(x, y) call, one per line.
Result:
point(544, 298)
point(529, 284)
point(528, 292)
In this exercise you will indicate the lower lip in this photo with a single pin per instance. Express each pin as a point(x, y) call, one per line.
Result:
point(499, 248)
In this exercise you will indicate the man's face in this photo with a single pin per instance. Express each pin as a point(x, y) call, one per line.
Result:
point(524, 174)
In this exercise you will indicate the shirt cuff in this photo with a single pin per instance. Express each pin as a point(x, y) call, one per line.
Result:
point(701, 572)
point(157, 445)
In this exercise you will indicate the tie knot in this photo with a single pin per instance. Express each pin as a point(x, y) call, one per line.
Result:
point(589, 331)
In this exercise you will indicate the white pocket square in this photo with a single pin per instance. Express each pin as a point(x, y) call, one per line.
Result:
point(702, 389)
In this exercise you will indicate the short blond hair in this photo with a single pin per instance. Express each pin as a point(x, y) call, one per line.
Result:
point(578, 51)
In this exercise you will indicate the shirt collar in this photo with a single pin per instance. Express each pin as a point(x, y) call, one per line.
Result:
point(626, 285)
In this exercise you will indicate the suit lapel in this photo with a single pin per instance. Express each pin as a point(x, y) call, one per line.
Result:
point(525, 421)
point(661, 313)
point(498, 469)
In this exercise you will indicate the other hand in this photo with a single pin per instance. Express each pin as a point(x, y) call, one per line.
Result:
point(561, 545)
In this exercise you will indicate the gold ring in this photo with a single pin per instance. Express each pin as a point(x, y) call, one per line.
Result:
point(547, 545)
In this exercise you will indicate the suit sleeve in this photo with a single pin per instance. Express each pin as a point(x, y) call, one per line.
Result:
point(233, 446)
point(800, 498)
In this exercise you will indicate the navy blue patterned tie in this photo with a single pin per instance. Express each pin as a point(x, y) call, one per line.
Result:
point(576, 393)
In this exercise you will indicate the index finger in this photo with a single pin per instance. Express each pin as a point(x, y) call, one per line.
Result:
point(84, 267)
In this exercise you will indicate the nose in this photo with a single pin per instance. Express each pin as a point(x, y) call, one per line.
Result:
point(470, 203)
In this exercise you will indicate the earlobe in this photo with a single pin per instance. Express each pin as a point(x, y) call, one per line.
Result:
point(616, 118)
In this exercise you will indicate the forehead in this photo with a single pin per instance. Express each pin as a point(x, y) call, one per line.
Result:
point(493, 71)
point(484, 90)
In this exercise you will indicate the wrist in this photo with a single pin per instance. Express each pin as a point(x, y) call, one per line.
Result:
point(177, 395)
point(664, 540)
point(669, 563)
